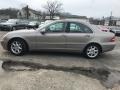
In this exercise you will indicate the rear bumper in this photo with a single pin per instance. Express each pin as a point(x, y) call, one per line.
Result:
point(108, 47)
point(3, 28)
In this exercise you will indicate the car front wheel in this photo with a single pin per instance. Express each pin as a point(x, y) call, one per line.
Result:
point(17, 47)
point(92, 51)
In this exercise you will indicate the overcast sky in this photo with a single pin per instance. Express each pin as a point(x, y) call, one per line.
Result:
point(90, 8)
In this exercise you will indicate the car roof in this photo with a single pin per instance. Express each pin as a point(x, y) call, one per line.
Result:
point(71, 20)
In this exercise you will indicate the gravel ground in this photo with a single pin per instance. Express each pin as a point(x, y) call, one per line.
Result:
point(47, 80)
point(57, 80)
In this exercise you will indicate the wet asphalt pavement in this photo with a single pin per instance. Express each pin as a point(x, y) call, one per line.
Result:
point(106, 68)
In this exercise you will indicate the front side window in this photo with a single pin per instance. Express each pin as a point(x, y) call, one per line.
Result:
point(77, 27)
point(57, 27)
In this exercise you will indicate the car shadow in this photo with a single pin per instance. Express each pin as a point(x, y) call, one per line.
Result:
point(57, 55)
point(63, 54)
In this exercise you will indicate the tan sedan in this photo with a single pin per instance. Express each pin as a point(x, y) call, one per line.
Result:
point(61, 35)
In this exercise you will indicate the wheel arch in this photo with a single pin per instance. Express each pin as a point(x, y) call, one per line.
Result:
point(93, 43)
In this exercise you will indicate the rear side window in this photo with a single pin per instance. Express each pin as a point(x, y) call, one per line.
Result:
point(74, 27)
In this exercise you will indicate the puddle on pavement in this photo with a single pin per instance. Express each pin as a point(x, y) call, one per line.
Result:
point(107, 77)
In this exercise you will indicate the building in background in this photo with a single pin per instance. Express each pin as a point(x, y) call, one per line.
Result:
point(74, 17)
point(65, 16)
point(112, 21)
point(8, 13)
point(108, 21)
point(97, 21)
point(27, 13)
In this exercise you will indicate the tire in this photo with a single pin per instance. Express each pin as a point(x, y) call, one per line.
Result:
point(17, 47)
point(13, 29)
point(26, 27)
point(92, 51)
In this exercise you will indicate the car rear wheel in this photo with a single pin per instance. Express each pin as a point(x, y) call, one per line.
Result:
point(17, 47)
point(92, 51)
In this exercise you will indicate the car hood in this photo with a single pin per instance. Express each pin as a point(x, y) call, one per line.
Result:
point(6, 24)
point(20, 33)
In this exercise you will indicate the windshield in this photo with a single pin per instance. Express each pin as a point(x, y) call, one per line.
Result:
point(43, 25)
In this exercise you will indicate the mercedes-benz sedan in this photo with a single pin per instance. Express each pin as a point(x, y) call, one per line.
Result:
point(61, 35)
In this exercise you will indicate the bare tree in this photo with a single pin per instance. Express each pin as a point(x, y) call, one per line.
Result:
point(53, 7)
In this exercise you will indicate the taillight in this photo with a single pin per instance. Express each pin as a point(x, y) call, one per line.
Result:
point(105, 30)
point(113, 39)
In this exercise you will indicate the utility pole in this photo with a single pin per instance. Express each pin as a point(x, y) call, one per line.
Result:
point(27, 12)
point(103, 21)
point(111, 13)
point(110, 19)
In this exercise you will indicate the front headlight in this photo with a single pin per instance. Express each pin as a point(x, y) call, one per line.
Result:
point(4, 37)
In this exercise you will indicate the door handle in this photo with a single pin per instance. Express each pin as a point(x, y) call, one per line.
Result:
point(87, 35)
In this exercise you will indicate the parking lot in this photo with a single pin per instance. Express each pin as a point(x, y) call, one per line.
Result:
point(109, 60)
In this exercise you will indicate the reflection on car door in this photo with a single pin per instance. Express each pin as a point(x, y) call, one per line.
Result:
point(78, 35)
point(53, 38)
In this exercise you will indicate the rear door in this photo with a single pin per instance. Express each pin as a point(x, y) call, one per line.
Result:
point(20, 24)
point(77, 36)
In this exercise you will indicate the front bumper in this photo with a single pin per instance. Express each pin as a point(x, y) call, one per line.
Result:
point(4, 45)
point(117, 34)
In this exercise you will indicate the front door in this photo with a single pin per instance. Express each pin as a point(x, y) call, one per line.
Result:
point(53, 38)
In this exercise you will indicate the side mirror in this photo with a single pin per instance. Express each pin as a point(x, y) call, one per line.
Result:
point(16, 23)
point(43, 31)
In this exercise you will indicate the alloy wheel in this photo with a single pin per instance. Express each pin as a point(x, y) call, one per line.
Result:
point(92, 51)
point(16, 47)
